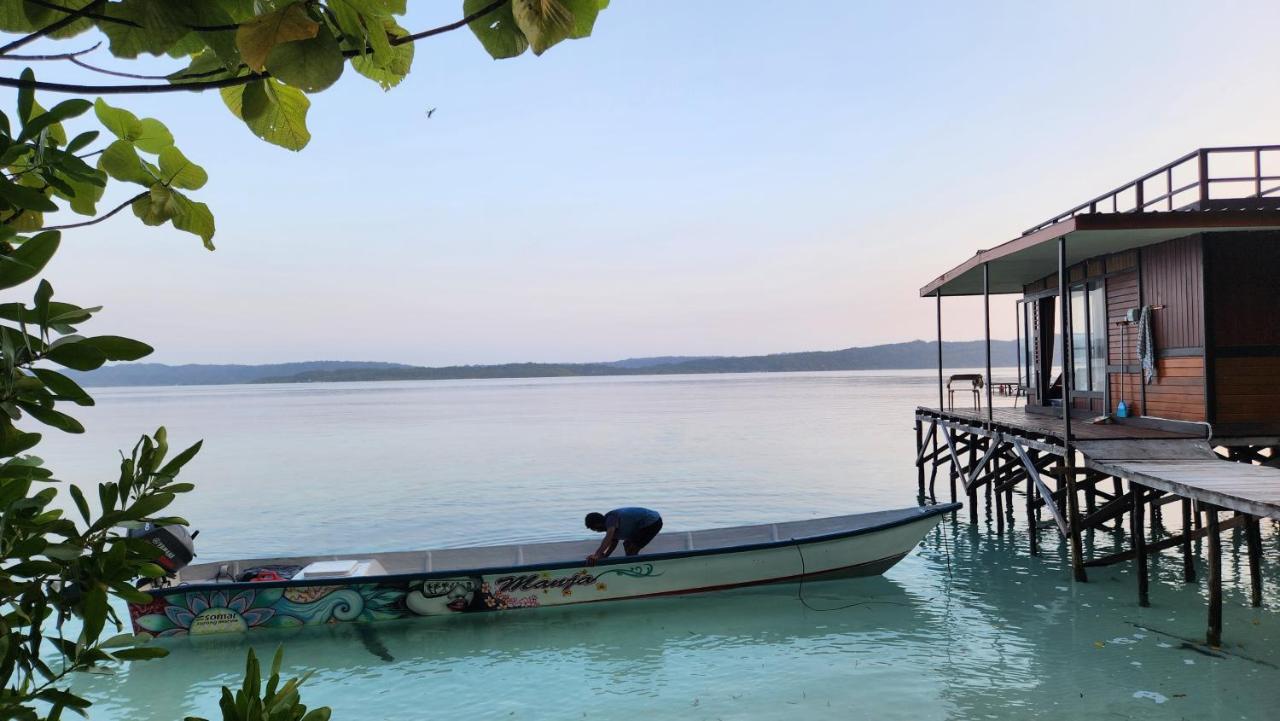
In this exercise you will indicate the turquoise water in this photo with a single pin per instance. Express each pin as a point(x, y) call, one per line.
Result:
point(967, 627)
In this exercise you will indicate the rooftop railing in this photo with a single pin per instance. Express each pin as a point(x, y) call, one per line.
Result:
point(1191, 182)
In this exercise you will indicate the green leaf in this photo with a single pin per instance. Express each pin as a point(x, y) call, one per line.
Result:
point(177, 171)
point(153, 27)
point(148, 506)
point(93, 609)
point(543, 22)
point(256, 38)
point(21, 196)
point(14, 441)
point(82, 141)
point(584, 15)
point(171, 468)
point(63, 551)
point(64, 387)
point(122, 162)
point(122, 123)
point(310, 65)
point(153, 136)
point(119, 349)
point(390, 72)
point(142, 653)
point(62, 111)
point(50, 417)
point(274, 111)
point(497, 31)
point(156, 207)
point(194, 217)
point(26, 96)
point(77, 356)
point(28, 259)
point(82, 505)
point(84, 196)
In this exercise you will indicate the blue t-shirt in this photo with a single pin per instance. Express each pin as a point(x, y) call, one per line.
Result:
point(630, 520)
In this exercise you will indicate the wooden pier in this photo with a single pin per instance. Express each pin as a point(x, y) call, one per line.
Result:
point(1159, 386)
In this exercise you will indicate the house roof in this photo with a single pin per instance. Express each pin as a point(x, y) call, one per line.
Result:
point(1030, 257)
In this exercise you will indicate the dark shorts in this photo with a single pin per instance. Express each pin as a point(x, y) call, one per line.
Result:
point(642, 537)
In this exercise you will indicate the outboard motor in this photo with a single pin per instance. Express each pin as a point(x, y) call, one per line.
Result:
point(177, 547)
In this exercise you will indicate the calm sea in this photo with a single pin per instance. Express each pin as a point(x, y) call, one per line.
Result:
point(967, 627)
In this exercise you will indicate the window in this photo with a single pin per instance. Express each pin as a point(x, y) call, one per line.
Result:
point(1097, 337)
point(1089, 337)
point(1079, 340)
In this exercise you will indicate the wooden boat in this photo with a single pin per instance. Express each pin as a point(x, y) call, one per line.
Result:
point(219, 597)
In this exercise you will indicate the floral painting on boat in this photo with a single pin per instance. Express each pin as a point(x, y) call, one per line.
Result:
point(204, 610)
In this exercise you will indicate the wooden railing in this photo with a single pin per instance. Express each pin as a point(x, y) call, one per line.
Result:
point(1187, 182)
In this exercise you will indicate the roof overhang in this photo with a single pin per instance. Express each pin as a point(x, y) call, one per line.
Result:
point(1031, 257)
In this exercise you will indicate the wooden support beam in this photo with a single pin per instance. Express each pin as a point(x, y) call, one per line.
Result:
point(1109, 510)
point(1139, 542)
point(969, 489)
point(955, 459)
point(1213, 634)
point(920, 445)
point(922, 439)
point(1033, 474)
point(971, 478)
point(1033, 530)
point(1188, 556)
point(1161, 545)
point(1253, 537)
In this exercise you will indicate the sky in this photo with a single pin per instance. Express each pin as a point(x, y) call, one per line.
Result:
point(696, 178)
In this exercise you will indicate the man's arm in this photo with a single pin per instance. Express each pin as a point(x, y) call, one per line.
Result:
point(609, 543)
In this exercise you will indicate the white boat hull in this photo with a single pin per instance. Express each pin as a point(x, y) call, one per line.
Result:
point(863, 547)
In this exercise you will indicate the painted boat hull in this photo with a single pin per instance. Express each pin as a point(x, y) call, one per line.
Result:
point(206, 608)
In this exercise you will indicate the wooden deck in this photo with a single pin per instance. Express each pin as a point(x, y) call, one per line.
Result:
point(1182, 464)
point(1249, 489)
point(1040, 424)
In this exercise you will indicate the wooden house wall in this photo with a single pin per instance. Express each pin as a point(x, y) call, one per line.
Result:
point(1122, 341)
point(1243, 285)
point(1171, 276)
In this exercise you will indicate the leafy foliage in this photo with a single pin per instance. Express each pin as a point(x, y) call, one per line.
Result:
point(265, 57)
point(274, 702)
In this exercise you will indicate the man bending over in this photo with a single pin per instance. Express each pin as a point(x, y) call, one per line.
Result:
point(634, 527)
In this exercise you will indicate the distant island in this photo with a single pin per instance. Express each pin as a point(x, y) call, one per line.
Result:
point(915, 354)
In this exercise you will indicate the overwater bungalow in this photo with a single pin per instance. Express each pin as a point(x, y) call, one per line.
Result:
point(1157, 381)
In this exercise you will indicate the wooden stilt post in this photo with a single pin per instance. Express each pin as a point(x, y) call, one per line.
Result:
point(1188, 556)
point(973, 492)
point(1068, 385)
point(999, 507)
point(1139, 542)
point(1253, 536)
point(1213, 635)
point(933, 481)
point(954, 472)
point(919, 456)
point(1033, 529)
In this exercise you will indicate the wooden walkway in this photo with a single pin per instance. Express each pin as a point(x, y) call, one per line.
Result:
point(1180, 463)
point(1082, 486)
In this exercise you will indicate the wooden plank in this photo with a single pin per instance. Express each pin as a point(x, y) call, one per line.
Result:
point(1130, 449)
point(1254, 490)
point(1034, 474)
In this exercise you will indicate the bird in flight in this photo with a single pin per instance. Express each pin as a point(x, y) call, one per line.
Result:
point(430, 112)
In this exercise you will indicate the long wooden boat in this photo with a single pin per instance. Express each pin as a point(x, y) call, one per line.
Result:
point(219, 597)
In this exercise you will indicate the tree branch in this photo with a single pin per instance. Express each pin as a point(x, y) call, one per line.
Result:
point(451, 26)
point(58, 56)
point(52, 27)
point(100, 218)
point(93, 16)
point(195, 87)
